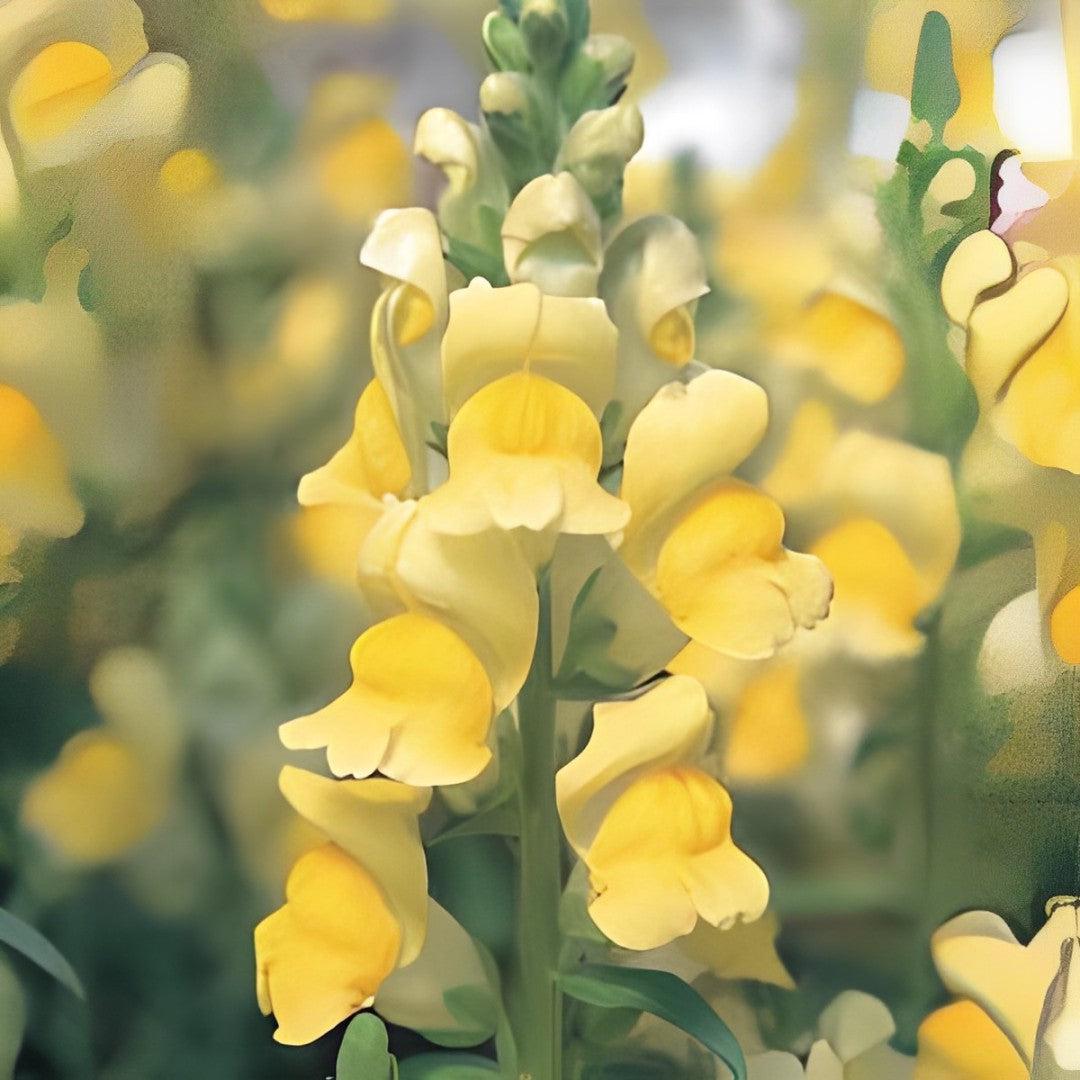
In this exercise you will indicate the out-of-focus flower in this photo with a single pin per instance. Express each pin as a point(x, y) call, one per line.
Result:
point(79, 79)
point(111, 786)
point(358, 11)
point(356, 907)
point(852, 1044)
point(961, 1042)
point(707, 545)
point(1027, 991)
point(36, 497)
point(654, 877)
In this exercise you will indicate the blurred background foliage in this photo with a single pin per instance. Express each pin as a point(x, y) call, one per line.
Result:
point(186, 312)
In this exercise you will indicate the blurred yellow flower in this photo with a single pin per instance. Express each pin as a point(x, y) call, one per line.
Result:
point(707, 545)
point(359, 11)
point(961, 1042)
point(654, 876)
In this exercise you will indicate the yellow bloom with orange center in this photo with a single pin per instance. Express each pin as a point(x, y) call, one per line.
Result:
point(653, 875)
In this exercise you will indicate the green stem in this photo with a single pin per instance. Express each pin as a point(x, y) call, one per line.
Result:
point(537, 1002)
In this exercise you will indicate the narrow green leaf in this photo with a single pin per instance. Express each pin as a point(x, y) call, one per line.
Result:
point(935, 93)
point(23, 938)
point(364, 1053)
point(448, 1067)
point(662, 994)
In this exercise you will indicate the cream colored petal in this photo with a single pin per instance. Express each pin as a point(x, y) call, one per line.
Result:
point(854, 1022)
point(653, 276)
point(774, 1065)
point(713, 423)
point(412, 996)
point(1005, 330)
point(978, 957)
point(374, 821)
point(744, 951)
point(823, 1064)
point(980, 262)
point(1014, 655)
point(669, 724)
point(551, 237)
point(480, 585)
point(497, 332)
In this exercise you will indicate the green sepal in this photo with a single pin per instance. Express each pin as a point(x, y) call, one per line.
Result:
point(504, 44)
point(32, 944)
point(498, 820)
point(365, 1051)
point(662, 994)
point(935, 93)
point(577, 20)
point(447, 1067)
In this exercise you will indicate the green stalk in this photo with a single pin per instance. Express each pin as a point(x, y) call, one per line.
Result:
point(536, 1002)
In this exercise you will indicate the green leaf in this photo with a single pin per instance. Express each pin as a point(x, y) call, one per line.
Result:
point(476, 262)
point(935, 93)
point(364, 1053)
point(662, 994)
point(473, 878)
point(23, 938)
point(448, 1067)
point(501, 820)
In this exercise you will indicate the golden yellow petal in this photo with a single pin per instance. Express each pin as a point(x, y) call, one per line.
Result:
point(97, 801)
point(769, 736)
point(669, 724)
point(188, 172)
point(855, 348)
point(35, 490)
point(373, 463)
point(960, 1042)
point(796, 475)
point(728, 582)
point(377, 823)
point(359, 11)
point(525, 452)
point(324, 954)
point(57, 86)
point(654, 875)
point(418, 710)
point(1065, 626)
point(980, 262)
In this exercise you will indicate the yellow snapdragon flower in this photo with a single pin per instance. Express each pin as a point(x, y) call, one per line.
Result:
point(654, 876)
point(356, 907)
point(707, 545)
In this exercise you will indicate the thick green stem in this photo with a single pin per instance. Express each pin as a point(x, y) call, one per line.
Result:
point(538, 1007)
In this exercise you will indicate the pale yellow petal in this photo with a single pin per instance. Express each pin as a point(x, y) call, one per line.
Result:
point(769, 737)
point(671, 723)
point(497, 332)
point(324, 954)
point(418, 710)
point(960, 1042)
point(551, 237)
point(980, 262)
point(728, 582)
point(795, 479)
point(375, 822)
point(688, 437)
point(746, 950)
point(480, 585)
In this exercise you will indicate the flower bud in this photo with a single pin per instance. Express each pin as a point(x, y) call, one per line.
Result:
point(596, 151)
point(543, 26)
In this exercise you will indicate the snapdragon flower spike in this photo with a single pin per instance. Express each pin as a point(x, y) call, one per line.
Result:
point(706, 545)
point(653, 875)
